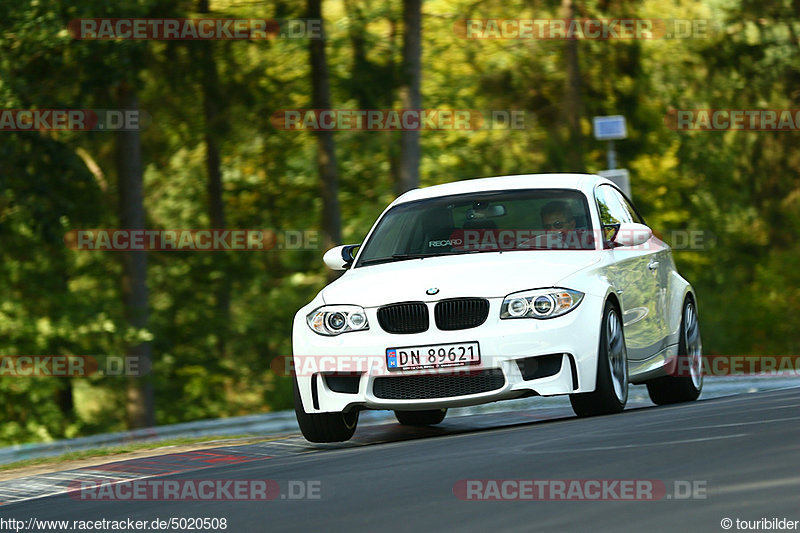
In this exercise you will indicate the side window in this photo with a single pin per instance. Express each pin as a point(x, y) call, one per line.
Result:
point(619, 208)
point(610, 208)
point(602, 207)
point(629, 207)
point(613, 209)
point(623, 206)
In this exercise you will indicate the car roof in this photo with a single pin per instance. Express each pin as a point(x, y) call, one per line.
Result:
point(580, 182)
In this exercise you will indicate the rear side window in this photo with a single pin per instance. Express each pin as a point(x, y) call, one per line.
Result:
point(614, 208)
point(610, 208)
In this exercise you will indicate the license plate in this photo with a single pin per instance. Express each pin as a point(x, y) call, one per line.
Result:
point(433, 356)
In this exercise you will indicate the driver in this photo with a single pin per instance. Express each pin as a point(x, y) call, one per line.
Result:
point(557, 215)
point(559, 226)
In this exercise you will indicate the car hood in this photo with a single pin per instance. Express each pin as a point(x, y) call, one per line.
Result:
point(488, 275)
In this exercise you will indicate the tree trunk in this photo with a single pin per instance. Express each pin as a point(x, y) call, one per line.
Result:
point(326, 155)
point(410, 97)
point(572, 102)
point(393, 151)
point(212, 96)
point(139, 404)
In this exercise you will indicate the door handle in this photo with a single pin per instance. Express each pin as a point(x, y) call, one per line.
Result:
point(652, 265)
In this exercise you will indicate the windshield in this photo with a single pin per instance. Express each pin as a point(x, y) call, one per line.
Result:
point(530, 219)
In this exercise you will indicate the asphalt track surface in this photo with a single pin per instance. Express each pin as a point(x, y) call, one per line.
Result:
point(739, 452)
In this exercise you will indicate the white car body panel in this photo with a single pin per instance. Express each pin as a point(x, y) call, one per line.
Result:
point(510, 272)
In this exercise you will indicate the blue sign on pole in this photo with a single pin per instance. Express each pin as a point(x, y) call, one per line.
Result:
point(610, 128)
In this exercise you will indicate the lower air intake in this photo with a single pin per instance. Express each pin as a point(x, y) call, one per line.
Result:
point(435, 386)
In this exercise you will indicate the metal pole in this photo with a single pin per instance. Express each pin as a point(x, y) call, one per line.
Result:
point(612, 156)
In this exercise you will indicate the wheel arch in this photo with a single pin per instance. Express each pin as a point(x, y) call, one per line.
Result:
point(678, 292)
point(614, 299)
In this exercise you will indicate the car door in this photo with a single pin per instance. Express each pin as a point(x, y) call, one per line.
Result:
point(634, 274)
point(661, 264)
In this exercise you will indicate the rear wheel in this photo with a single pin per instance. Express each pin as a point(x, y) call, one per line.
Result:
point(686, 383)
point(611, 391)
point(324, 427)
point(420, 418)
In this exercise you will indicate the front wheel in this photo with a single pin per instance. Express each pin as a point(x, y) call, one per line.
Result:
point(611, 391)
point(686, 383)
point(420, 418)
point(324, 427)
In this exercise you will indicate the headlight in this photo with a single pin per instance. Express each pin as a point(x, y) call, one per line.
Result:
point(540, 303)
point(335, 319)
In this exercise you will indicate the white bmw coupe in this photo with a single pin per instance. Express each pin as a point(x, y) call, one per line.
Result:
point(492, 289)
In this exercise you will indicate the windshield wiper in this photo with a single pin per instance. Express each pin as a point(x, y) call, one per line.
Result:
point(394, 257)
point(402, 257)
point(451, 252)
point(375, 261)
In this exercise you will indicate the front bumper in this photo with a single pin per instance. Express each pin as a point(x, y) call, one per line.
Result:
point(566, 347)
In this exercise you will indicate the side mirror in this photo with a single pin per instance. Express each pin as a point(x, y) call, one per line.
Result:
point(341, 257)
point(631, 234)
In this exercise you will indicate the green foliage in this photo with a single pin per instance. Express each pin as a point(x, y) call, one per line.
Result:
point(739, 188)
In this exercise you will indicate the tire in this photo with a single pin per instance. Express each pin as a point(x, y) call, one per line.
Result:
point(682, 388)
point(420, 418)
point(324, 427)
point(611, 390)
